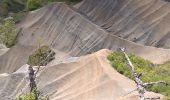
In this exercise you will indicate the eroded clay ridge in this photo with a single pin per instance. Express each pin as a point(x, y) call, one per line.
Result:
point(89, 77)
point(142, 21)
point(69, 33)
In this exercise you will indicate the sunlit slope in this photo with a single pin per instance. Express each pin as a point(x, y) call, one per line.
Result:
point(142, 21)
point(14, 58)
point(89, 77)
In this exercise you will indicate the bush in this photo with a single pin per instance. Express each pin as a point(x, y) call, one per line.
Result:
point(14, 6)
point(8, 33)
point(27, 96)
point(33, 4)
point(32, 96)
point(150, 72)
point(70, 2)
point(37, 58)
point(19, 16)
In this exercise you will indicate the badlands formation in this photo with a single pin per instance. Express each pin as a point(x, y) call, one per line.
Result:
point(82, 36)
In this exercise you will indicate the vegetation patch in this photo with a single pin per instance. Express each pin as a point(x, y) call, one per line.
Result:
point(150, 72)
point(27, 96)
point(8, 33)
point(70, 2)
point(35, 4)
point(14, 6)
point(32, 96)
point(41, 57)
point(19, 16)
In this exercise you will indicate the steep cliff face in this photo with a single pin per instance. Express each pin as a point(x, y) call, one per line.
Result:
point(142, 21)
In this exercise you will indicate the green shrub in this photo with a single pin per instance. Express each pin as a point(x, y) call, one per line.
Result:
point(70, 2)
point(32, 96)
point(150, 72)
point(33, 4)
point(14, 6)
point(38, 57)
point(74, 1)
point(8, 33)
point(27, 96)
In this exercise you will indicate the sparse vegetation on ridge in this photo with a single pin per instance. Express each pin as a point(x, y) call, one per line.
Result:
point(8, 33)
point(16, 6)
point(27, 96)
point(13, 6)
point(35, 4)
point(150, 72)
point(31, 96)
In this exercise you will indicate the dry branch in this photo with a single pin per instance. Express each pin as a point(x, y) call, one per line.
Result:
point(33, 86)
point(140, 85)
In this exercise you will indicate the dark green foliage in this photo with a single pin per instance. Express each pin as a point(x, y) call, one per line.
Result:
point(3, 9)
point(8, 33)
point(150, 72)
point(14, 6)
point(35, 4)
point(19, 16)
point(38, 58)
point(70, 2)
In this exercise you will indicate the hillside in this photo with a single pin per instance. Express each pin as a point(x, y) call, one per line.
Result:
point(85, 78)
point(141, 21)
point(71, 34)
point(77, 34)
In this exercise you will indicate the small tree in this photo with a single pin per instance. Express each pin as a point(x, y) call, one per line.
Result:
point(33, 4)
point(41, 57)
